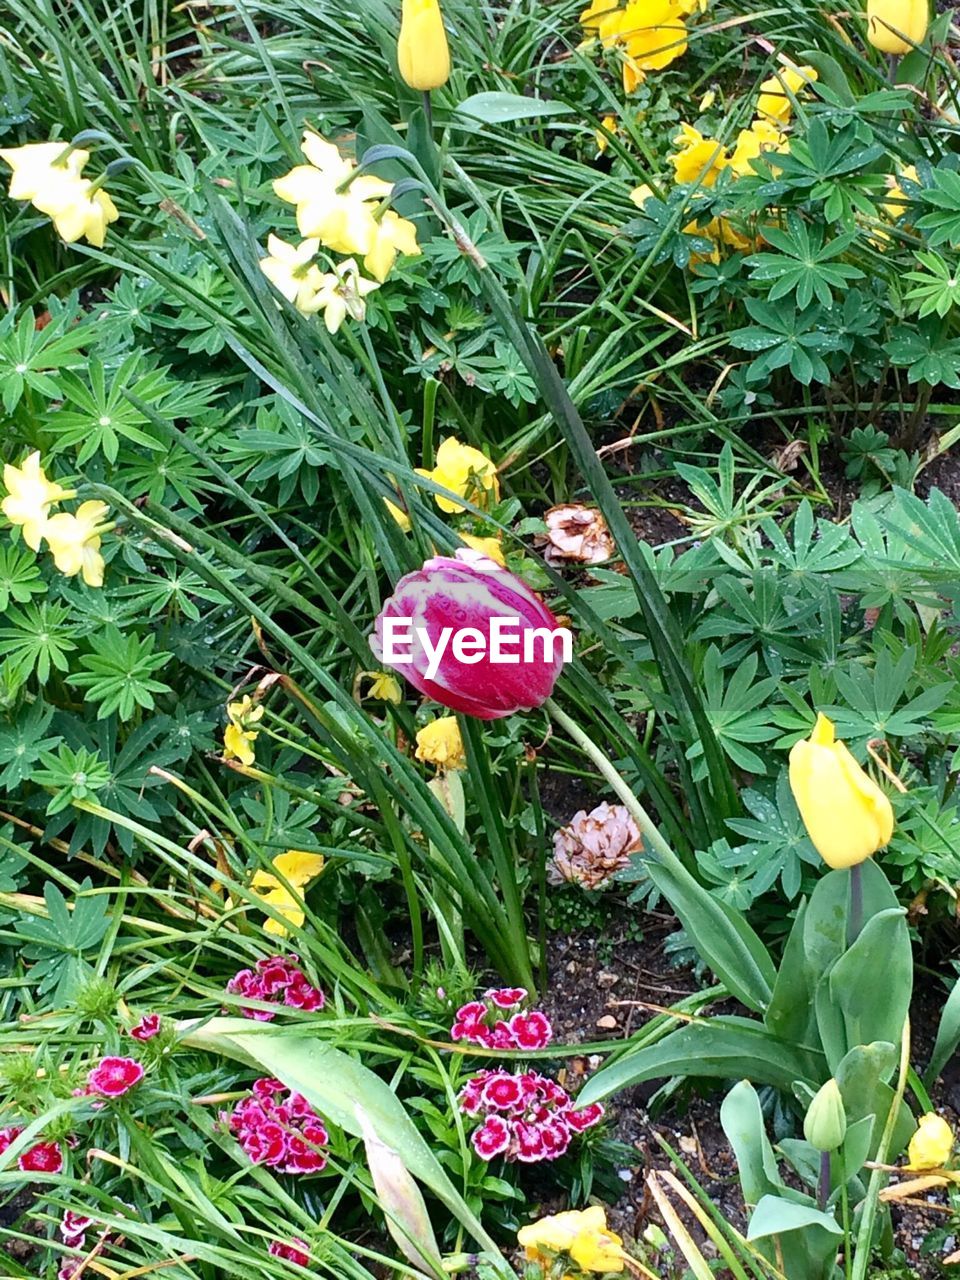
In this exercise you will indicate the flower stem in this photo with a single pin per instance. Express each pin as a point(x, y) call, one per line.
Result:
point(428, 109)
point(823, 1182)
point(855, 919)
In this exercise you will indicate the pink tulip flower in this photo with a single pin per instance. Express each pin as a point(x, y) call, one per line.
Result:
point(470, 635)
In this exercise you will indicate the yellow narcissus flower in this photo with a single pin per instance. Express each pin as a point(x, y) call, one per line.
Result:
point(332, 205)
point(492, 548)
point(30, 495)
point(401, 517)
point(846, 815)
point(77, 211)
point(440, 743)
point(40, 164)
point(697, 159)
point(582, 1234)
point(298, 869)
point(932, 1144)
point(392, 235)
point(466, 471)
point(763, 135)
point(386, 688)
point(775, 102)
point(292, 271)
point(423, 55)
point(240, 733)
point(896, 26)
point(343, 293)
point(74, 540)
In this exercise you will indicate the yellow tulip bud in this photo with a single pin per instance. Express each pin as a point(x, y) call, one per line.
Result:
point(847, 816)
point(932, 1144)
point(895, 26)
point(423, 54)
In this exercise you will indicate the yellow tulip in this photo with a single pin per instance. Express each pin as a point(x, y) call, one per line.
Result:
point(895, 26)
point(440, 743)
point(423, 54)
point(75, 541)
point(932, 1144)
point(30, 495)
point(582, 1234)
point(847, 816)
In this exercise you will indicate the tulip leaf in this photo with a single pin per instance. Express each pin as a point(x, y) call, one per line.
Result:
point(501, 108)
point(344, 1092)
point(726, 1048)
point(883, 947)
point(741, 1118)
point(948, 1036)
point(722, 937)
point(790, 1013)
point(774, 1216)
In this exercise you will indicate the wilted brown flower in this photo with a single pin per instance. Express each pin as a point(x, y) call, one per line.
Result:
point(576, 533)
point(594, 845)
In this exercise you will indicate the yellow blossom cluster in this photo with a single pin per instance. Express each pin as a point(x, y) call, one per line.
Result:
point(648, 34)
point(243, 718)
point(343, 211)
point(581, 1235)
point(72, 537)
point(48, 174)
point(698, 160)
point(440, 743)
point(282, 889)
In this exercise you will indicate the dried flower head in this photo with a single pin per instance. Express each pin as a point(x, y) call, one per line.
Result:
point(577, 534)
point(593, 846)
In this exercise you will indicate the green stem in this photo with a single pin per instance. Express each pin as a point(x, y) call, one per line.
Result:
point(823, 1182)
point(855, 919)
point(865, 1235)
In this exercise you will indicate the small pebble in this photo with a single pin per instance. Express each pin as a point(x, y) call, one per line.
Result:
point(607, 1023)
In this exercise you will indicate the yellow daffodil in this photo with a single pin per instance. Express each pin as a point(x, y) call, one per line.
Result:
point(492, 548)
point(332, 205)
point(40, 165)
point(440, 743)
point(386, 688)
point(77, 210)
point(74, 539)
point(932, 1144)
point(776, 94)
point(240, 733)
point(896, 26)
point(298, 869)
point(423, 55)
point(640, 195)
point(608, 125)
point(847, 816)
point(581, 1234)
point(697, 159)
point(343, 293)
point(392, 235)
point(30, 495)
point(466, 471)
point(762, 136)
point(291, 270)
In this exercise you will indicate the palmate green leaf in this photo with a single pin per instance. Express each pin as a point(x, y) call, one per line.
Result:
point(346, 1093)
point(32, 358)
point(37, 639)
point(815, 548)
point(873, 698)
point(19, 576)
point(927, 357)
point(56, 945)
point(777, 842)
point(119, 673)
point(936, 289)
point(23, 742)
point(733, 710)
point(805, 265)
